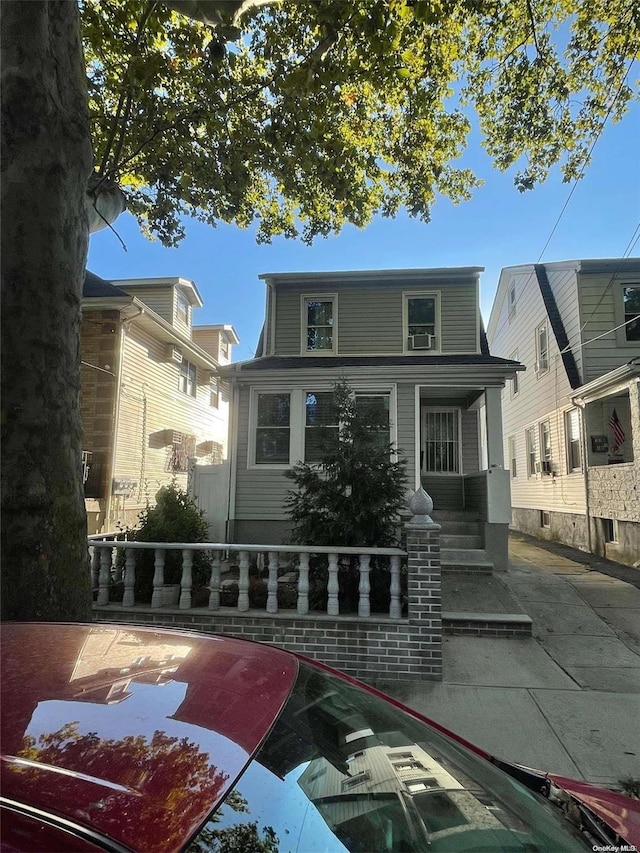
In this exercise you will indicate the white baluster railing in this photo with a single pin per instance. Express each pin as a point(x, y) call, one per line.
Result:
point(214, 582)
point(303, 584)
point(272, 583)
point(364, 587)
point(243, 582)
point(105, 552)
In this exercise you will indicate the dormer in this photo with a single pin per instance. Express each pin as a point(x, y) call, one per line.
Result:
point(217, 340)
point(172, 298)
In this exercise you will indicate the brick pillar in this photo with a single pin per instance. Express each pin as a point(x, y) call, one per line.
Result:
point(424, 584)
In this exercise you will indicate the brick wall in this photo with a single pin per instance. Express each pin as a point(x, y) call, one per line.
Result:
point(367, 648)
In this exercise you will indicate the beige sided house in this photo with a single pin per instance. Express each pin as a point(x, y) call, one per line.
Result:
point(151, 396)
point(572, 421)
point(409, 341)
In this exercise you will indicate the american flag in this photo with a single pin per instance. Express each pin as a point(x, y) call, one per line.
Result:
point(616, 428)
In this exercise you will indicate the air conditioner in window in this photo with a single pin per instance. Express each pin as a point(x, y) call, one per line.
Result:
point(421, 341)
point(173, 353)
point(546, 466)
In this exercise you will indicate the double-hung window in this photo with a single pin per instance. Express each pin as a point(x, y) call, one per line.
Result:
point(187, 380)
point(320, 423)
point(512, 300)
point(515, 382)
point(421, 321)
point(545, 446)
point(574, 441)
point(319, 324)
point(183, 309)
point(542, 349)
point(375, 407)
point(513, 465)
point(631, 302)
point(532, 456)
point(273, 429)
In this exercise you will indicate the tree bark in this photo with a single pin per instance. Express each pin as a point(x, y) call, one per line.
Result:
point(46, 162)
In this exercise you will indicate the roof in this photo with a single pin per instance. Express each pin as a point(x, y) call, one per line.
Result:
point(95, 287)
point(559, 331)
point(402, 275)
point(187, 286)
point(275, 362)
point(197, 708)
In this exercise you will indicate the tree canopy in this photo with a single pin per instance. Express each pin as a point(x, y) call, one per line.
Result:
point(330, 111)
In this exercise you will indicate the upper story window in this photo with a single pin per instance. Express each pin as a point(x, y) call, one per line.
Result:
point(183, 309)
point(513, 461)
point(515, 382)
point(631, 302)
point(319, 324)
point(542, 349)
point(224, 347)
point(187, 380)
point(511, 300)
point(421, 322)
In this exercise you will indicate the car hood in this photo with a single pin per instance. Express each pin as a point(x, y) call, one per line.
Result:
point(619, 812)
point(136, 733)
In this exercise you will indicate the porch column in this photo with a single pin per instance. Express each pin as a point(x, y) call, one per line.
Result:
point(493, 409)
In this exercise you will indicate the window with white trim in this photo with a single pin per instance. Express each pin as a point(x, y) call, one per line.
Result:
point(513, 466)
point(542, 349)
point(273, 429)
point(421, 321)
point(187, 378)
point(515, 382)
point(532, 453)
point(574, 440)
point(224, 347)
point(183, 308)
point(511, 300)
point(631, 304)
point(319, 323)
point(545, 443)
point(376, 408)
point(320, 421)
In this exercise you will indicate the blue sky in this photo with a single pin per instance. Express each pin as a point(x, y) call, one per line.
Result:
point(499, 227)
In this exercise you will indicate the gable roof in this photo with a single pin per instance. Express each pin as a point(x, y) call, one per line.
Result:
point(95, 287)
point(559, 331)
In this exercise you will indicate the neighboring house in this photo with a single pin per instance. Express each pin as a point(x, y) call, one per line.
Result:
point(408, 341)
point(151, 395)
point(572, 421)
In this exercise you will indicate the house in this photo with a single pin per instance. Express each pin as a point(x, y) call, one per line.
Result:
point(151, 395)
point(410, 342)
point(572, 421)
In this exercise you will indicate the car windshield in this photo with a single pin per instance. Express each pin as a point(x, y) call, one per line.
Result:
point(343, 770)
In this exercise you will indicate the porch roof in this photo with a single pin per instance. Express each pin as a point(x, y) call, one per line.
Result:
point(305, 362)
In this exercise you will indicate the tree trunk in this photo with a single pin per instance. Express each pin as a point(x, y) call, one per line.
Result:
point(46, 162)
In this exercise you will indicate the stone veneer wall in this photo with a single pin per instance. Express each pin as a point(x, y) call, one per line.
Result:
point(367, 648)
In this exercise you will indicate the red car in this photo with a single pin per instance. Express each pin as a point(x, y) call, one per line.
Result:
point(122, 738)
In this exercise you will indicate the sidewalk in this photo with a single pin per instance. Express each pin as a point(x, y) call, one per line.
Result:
point(566, 700)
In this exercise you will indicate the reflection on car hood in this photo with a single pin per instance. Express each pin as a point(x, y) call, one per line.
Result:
point(135, 732)
point(618, 811)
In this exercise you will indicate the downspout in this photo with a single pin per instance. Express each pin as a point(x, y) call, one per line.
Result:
point(585, 468)
point(116, 417)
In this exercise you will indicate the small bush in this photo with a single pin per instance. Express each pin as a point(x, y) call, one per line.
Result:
point(174, 518)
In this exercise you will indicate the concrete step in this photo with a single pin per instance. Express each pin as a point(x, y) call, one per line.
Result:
point(454, 528)
point(487, 624)
point(466, 561)
point(456, 541)
point(442, 515)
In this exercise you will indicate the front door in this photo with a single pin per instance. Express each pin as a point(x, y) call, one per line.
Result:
point(441, 456)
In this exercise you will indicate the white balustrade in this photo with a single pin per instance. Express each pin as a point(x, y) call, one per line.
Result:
point(395, 606)
point(214, 582)
point(129, 598)
point(333, 586)
point(187, 579)
point(105, 576)
point(364, 587)
point(303, 584)
point(243, 582)
point(158, 578)
point(272, 583)
point(105, 551)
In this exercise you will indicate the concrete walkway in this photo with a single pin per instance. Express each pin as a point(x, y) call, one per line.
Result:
point(568, 699)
